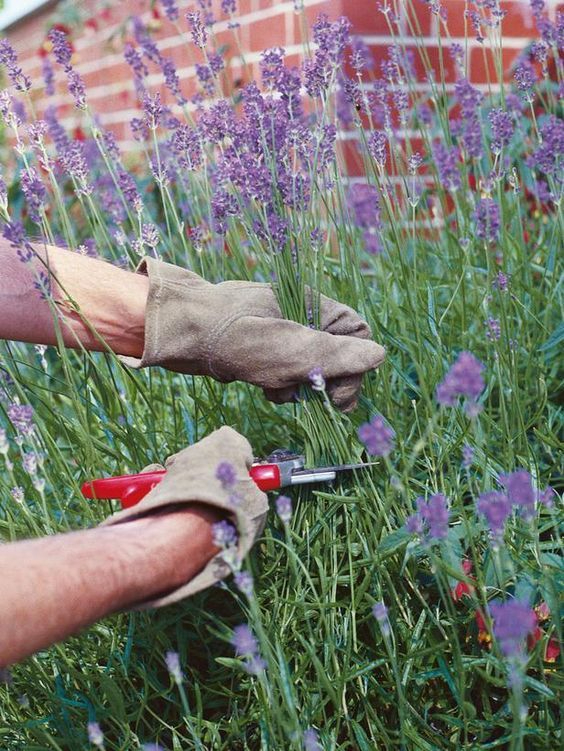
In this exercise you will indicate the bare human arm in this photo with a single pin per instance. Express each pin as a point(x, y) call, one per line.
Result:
point(112, 300)
point(55, 586)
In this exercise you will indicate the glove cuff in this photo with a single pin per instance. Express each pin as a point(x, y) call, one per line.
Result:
point(173, 331)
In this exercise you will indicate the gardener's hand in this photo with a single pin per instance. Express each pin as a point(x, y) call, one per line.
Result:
point(192, 478)
point(235, 331)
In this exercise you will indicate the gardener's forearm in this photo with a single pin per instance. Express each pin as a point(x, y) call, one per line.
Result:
point(110, 299)
point(54, 586)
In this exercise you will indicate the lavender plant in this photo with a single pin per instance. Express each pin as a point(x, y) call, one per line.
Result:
point(415, 605)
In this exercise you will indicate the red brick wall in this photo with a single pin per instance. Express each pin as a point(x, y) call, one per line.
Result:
point(262, 24)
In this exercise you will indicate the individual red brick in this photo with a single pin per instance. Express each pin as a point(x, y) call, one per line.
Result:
point(365, 17)
point(268, 32)
point(483, 68)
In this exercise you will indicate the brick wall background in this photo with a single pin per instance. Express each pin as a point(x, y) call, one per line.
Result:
point(262, 24)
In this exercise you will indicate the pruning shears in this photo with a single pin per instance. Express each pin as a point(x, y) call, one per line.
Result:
point(280, 470)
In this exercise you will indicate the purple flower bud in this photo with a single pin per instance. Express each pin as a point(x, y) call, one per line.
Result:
point(493, 329)
point(487, 220)
point(377, 436)
point(464, 378)
point(95, 735)
point(316, 378)
point(519, 488)
point(446, 160)
point(380, 612)
point(244, 641)
point(21, 417)
point(496, 507)
point(172, 660)
point(224, 534)
point(284, 508)
point(525, 78)
point(244, 582)
point(377, 143)
point(467, 456)
point(17, 494)
point(311, 740)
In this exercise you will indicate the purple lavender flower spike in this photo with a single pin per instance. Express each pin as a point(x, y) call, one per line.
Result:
point(487, 220)
point(311, 740)
point(34, 192)
point(496, 508)
point(197, 30)
point(377, 436)
point(380, 612)
point(525, 79)
point(502, 126)
point(513, 620)
point(9, 58)
point(467, 456)
point(14, 233)
point(377, 143)
point(493, 329)
point(464, 378)
point(547, 157)
point(244, 641)
point(21, 417)
point(430, 521)
point(520, 490)
point(244, 582)
point(446, 160)
point(224, 534)
point(172, 661)
point(171, 9)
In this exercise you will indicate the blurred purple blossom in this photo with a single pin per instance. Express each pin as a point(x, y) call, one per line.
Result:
point(224, 534)
point(446, 160)
point(172, 661)
point(513, 620)
point(464, 378)
point(95, 734)
point(316, 379)
point(380, 613)
point(284, 508)
point(8, 57)
point(520, 490)
point(311, 740)
point(244, 582)
point(361, 56)
point(493, 329)
point(171, 9)
point(547, 157)
point(430, 520)
point(229, 7)
point(467, 456)
point(365, 203)
point(246, 646)
point(487, 220)
point(48, 76)
point(21, 417)
point(501, 282)
point(377, 436)
point(496, 508)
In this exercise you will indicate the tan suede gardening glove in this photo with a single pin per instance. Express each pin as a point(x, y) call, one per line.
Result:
point(191, 477)
point(235, 331)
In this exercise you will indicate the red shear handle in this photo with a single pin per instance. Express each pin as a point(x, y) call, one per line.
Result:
point(130, 489)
